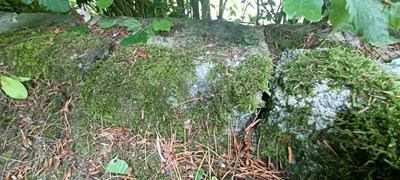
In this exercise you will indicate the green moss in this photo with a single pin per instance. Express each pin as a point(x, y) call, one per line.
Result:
point(43, 54)
point(364, 137)
point(154, 80)
point(146, 167)
point(125, 84)
point(275, 142)
point(237, 89)
point(114, 92)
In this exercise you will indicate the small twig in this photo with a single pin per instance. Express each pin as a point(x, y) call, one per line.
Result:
point(159, 149)
point(187, 101)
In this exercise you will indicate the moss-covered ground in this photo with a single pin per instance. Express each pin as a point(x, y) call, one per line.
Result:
point(364, 140)
point(87, 105)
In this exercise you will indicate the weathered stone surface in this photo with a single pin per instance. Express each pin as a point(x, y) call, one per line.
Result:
point(330, 108)
point(200, 76)
point(13, 21)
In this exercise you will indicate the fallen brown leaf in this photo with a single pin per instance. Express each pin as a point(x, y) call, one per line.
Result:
point(68, 174)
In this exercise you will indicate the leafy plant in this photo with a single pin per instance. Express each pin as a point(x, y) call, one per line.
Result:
point(132, 24)
point(54, 5)
point(13, 87)
point(309, 9)
point(141, 35)
point(339, 15)
point(106, 24)
point(117, 166)
point(162, 25)
point(369, 18)
point(394, 12)
point(103, 3)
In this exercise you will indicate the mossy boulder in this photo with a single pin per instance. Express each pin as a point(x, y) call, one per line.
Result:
point(333, 114)
point(83, 86)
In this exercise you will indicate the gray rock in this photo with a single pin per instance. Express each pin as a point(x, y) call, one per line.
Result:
point(13, 21)
point(320, 116)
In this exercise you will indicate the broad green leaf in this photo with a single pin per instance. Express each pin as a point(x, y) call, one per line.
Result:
point(162, 25)
point(309, 9)
point(339, 15)
point(132, 24)
point(56, 5)
point(80, 29)
point(370, 21)
point(394, 15)
point(139, 37)
point(104, 3)
point(117, 166)
point(106, 25)
point(13, 88)
point(27, 1)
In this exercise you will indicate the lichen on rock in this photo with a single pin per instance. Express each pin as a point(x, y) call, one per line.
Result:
point(335, 109)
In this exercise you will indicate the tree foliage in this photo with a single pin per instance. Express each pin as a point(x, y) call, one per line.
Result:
point(370, 18)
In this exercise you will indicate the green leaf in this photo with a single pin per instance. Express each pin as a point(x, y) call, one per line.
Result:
point(139, 37)
point(199, 175)
point(56, 5)
point(27, 1)
point(150, 31)
point(20, 79)
point(309, 9)
point(339, 15)
point(106, 25)
point(79, 29)
point(104, 3)
point(394, 15)
point(117, 166)
point(370, 21)
point(162, 25)
point(13, 88)
point(132, 24)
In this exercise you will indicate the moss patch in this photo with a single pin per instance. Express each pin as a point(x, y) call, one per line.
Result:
point(147, 86)
point(364, 137)
point(43, 54)
point(143, 88)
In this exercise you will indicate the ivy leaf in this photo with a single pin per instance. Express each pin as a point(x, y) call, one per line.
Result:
point(309, 9)
point(162, 25)
point(370, 21)
point(104, 3)
point(56, 5)
point(132, 24)
point(139, 37)
point(394, 18)
point(106, 25)
point(27, 1)
point(13, 88)
point(339, 15)
point(117, 166)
